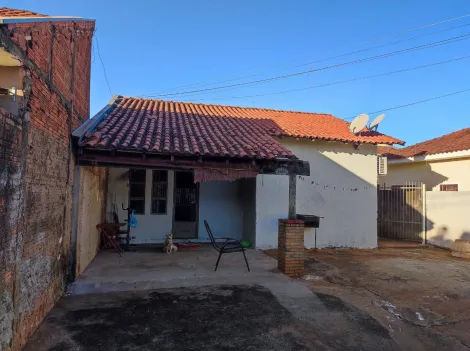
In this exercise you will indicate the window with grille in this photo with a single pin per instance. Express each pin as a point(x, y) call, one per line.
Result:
point(137, 190)
point(159, 192)
point(382, 165)
point(449, 187)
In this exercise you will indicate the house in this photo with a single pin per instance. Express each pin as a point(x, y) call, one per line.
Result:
point(442, 164)
point(44, 96)
point(177, 164)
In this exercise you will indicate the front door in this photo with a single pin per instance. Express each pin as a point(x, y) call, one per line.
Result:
point(185, 206)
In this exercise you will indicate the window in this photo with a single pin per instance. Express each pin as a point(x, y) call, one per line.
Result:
point(382, 165)
point(159, 192)
point(137, 190)
point(449, 187)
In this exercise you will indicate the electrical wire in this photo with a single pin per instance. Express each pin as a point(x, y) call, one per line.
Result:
point(334, 83)
point(360, 43)
point(415, 103)
point(102, 65)
point(392, 53)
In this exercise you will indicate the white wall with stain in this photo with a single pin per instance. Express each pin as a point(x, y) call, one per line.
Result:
point(221, 206)
point(448, 217)
point(431, 173)
point(342, 188)
point(151, 228)
point(91, 211)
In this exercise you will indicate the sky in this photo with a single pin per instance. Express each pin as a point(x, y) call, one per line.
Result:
point(158, 48)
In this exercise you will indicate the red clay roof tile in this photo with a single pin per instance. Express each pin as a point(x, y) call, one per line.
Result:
point(215, 130)
point(456, 141)
point(7, 12)
point(390, 151)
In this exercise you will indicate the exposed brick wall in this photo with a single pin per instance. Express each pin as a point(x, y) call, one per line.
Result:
point(291, 247)
point(35, 233)
point(12, 160)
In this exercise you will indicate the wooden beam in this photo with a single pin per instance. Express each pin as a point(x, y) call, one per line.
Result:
point(292, 195)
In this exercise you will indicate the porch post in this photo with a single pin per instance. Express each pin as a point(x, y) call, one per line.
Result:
point(292, 195)
point(290, 247)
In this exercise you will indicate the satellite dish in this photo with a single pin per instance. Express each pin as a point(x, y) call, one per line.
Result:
point(359, 123)
point(374, 125)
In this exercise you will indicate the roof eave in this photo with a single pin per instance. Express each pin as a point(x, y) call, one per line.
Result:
point(10, 20)
point(433, 157)
point(82, 131)
point(341, 140)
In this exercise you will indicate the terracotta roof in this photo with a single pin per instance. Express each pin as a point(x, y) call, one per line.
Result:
point(390, 151)
point(456, 141)
point(202, 129)
point(7, 12)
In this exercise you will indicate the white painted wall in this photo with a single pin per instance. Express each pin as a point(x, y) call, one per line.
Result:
point(151, 228)
point(336, 168)
point(220, 205)
point(9, 78)
point(247, 196)
point(431, 173)
point(447, 217)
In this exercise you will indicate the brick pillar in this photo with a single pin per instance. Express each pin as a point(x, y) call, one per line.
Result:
point(291, 247)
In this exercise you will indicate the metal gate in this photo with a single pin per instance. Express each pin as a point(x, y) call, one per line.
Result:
point(401, 213)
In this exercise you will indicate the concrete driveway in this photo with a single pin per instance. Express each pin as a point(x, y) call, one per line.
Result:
point(194, 308)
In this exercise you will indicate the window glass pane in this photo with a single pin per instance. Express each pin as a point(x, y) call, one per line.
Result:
point(159, 206)
point(160, 176)
point(159, 191)
point(138, 206)
point(137, 176)
point(137, 190)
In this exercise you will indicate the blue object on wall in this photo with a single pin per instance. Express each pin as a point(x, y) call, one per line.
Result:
point(133, 220)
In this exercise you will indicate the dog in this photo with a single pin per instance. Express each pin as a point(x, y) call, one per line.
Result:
point(168, 246)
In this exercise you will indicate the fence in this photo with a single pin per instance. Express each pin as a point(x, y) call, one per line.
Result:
point(401, 211)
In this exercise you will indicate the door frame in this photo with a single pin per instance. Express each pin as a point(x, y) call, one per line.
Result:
point(174, 207)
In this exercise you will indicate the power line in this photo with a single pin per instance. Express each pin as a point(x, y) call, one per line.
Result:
point(336, 83)
point(392, 53)
point(328, 58)
point(102, 65)
point(359, 43)
point(379, 46)
point(93, 55)
point(415, 103)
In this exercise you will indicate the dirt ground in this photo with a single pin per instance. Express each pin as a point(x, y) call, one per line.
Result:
point(420, 294)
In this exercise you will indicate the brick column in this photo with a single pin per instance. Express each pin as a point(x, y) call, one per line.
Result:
point(291, 247)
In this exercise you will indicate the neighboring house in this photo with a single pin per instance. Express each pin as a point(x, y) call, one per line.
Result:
point(44, 95)
point(442, 164)
point(155, 151)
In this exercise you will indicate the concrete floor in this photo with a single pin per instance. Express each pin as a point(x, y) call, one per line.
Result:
point(148, 300)
point(150, 268)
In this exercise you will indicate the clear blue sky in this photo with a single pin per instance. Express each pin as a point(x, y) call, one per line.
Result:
point(151, 46)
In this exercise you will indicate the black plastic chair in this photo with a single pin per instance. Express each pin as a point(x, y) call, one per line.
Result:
point(230, 245)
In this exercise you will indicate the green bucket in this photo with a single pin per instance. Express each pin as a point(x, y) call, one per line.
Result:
point(246, 243)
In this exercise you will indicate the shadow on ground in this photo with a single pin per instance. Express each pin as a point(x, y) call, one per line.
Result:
point(224, 317)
